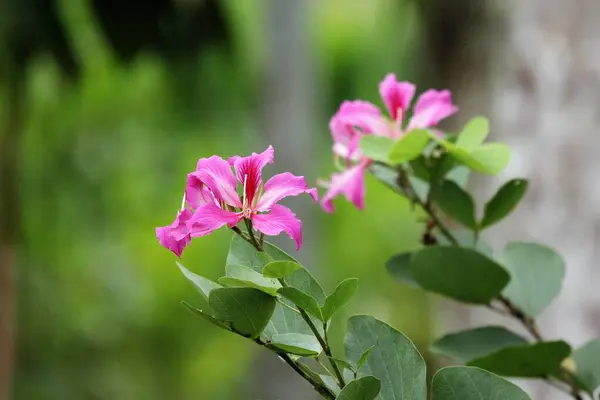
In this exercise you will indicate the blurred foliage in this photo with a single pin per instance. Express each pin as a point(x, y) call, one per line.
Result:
point(103, 161)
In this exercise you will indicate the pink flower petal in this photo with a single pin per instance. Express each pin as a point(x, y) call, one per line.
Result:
point(250, 169)
point(280, 219)
point(196, 193)
point(283, 185)
point(432, 107)
point(217, 176)
point(210, 217)
point(350, 183)
point(175, 236)
point(396, 95)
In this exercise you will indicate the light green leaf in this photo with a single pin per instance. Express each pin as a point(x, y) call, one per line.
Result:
point(364, 357)
point(537, 273)
point(387, 176)
point(202, 285)
point(248, 309)
point(587, 364)
point(491, 158)
point(394, 359)
point(456, 203)
point(504, 201)
point(470, 383)
point(296, 343)
point(280, 269)
point(376, 147)
point(399, 267)
point(302, 300)
point(243, 253)
point(207, 317)
point(469, 239)
point(409, 146)
point(340, 296)
point(471, 344)
point(240, 276)
point(526, 361)
point(365, 388)
point(331, 383)
point(459, 273)
point(473, 134)
point(342, 363)
point(459, 175)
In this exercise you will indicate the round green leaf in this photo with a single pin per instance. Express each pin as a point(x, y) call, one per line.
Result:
point(302, 300)
point(376, 147)
point(365, 388)
point(587, 364)
point(504, 201)
point(473, 134)
point(340, 296)
point(471, 344)
point(537, 273)
point(296, 343)
point(409, 146)
point(399, 267)
point(240, 276)
point(526, 361)
point(280, 269)
point(456, 203)
point(459, 273)
point(202, 285)
point(394, 359)
point(470, 383)
point(249, 310)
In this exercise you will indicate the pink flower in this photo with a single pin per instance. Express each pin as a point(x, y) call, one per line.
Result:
point(355, 119)
point(211, 200)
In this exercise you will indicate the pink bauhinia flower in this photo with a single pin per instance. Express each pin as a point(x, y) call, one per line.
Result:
point(211, 200)
point(355, 119)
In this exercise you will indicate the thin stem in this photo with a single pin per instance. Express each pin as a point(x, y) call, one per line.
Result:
point(253, 240)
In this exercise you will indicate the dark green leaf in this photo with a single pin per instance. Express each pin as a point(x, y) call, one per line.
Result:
point(537, 273)
point(376, 147)
point(473, 134)
point(456, 203)
point(296, 343)
point(364, 357)
point(240, 276)
point(527, 361)
point(469, 239)
point(302, 300)
point(394, 359)
point(365, 388)
point(399, 267)
point(202, 285)
point(504, 201)
point(460, 273)
point(207, 317)
point(420, 168)
point(280, 269)
point(587, 364)
point(409, 146)
point(303, 280)
point(248, 309)
point(340, 296)
point(470, 383)
point(468, 345)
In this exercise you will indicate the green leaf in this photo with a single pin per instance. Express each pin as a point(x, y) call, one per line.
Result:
point(527, 361)
point(342, 363)
point(469, 239)
point(537, 273)
point(460, 273)
point(364, 357)
point(471, 344)
point(490, 158)
point(456, 203)
point(473, 134)
point(302, 300)
point(207, 317)
point(202, 285)
point(248, 309)
point(303, 280)
point(470, 383)
point(331, 383)
point(399, 267)
point(296, 343)
point(459, 175)
point(394, 359)
point(365, 388)
point(587, 364)
point(376, 147)
point(409, 146)
point(280, 269)
point(387, 176)
point(240, 276)
point(340, 296)
point(243, 253)
point(504, 201)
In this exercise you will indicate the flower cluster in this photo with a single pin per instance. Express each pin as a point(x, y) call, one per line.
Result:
point(355, 119)
point(211, 200)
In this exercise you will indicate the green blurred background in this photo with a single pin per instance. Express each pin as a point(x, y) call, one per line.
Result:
point(108, 104)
